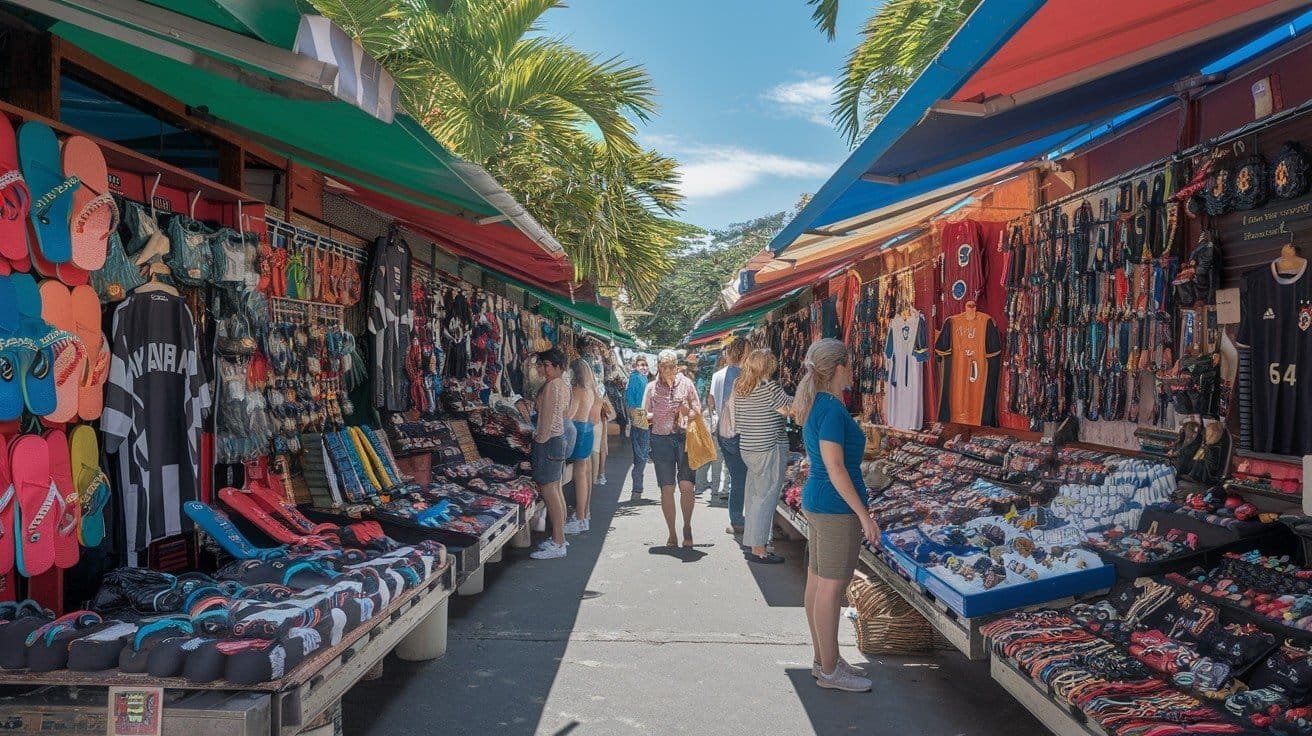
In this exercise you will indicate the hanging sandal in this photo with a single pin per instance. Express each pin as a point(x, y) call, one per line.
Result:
point(91, 483)
point(38, 153)
point(15, 199)
point(38, 503)
point(7, 495)
point(70, 511)
point(95, 214)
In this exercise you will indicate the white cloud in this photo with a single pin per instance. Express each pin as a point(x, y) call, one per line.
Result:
point(809, 98)
point(707, 171)
point(713, 171)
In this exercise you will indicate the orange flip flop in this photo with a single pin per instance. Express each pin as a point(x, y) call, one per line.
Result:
point(86, 325)
point(70, 358)
point(94, 215)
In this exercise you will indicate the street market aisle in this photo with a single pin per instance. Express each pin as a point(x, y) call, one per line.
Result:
point(625, 636)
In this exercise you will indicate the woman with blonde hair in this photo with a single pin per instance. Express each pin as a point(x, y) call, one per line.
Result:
point(759, 403)
point(583, 395)
point(670, 401)
point(834, 500)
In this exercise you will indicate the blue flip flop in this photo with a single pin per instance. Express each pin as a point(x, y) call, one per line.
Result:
point(37, 366)
point(220, 528)
point(8, 308)
point(52, 192)
point(27, 295)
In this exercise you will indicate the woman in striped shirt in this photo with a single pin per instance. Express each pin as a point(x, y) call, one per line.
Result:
point(759, 406)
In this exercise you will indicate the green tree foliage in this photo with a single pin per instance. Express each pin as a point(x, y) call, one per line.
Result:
point(556, 126)
point(701, 269)
point(897, 43)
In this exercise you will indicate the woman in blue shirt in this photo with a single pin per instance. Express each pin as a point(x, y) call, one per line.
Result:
point(834, 500)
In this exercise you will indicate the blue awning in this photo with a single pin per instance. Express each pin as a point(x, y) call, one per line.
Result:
point(1022, 78)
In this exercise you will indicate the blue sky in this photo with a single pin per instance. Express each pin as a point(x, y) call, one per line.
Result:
point(744, 92)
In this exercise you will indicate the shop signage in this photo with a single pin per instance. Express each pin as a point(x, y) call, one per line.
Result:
point(135, 711)
point(1276, 221)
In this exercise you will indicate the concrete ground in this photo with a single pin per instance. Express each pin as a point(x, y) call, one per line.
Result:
point(625, 636)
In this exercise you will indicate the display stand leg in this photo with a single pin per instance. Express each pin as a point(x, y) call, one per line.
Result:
point(496, 556)
point(428, 640)
point(523, 539)
point(473, 584)
point(328, 724)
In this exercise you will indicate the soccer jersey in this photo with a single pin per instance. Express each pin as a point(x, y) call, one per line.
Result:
point(963, 266)
point(153, 404)
point(968, 350)
point(390, 318)
point(906, 349)
point(1276, 329)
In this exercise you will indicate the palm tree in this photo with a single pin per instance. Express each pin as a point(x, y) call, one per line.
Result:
point(555, 125)
point(897, 43)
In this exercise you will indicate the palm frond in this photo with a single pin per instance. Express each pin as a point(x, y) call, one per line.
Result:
point(825, 16)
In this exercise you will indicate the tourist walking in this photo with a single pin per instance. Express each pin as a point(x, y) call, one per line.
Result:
point(670, 401)
point(726, 434)
point(639, 427)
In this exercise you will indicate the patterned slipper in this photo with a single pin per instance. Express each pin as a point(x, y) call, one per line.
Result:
point(38, 502)
point(61, 478)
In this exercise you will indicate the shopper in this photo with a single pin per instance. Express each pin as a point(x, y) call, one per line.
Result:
point(709, 475)
point(549, 449)
point(669, 402)
point(726, 435)
point(583, 395)
point(759, 403)
point(834, 500)
point(639, 428)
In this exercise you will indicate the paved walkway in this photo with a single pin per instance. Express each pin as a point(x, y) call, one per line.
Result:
point(625, 636)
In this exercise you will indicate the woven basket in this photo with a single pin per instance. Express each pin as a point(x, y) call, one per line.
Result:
point(887, 624)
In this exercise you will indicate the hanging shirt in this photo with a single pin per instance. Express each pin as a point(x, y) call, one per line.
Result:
point(1275, 330)
point(390, 318)
point(968, 348)
point(963, 266)
point(153, 405)
point(907, 349)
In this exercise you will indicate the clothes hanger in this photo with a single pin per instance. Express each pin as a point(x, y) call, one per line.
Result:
point(157, 268)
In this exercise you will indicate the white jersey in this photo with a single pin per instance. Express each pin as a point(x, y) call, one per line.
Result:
point(907, 349)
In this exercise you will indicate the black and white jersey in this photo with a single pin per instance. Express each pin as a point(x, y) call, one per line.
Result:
point(153, 404)
point(1276, 329)
point(391, 316)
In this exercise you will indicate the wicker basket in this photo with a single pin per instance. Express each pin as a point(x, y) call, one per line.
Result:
point(887, 624)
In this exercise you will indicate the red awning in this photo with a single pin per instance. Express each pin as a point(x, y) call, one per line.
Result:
point(496, 247)
point(796, 280)
point(1069, 42)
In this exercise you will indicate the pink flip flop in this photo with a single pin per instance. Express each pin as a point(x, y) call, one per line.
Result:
point(15, 199)
point(38, 502)
point(61, 478)
point(70, 358)
point(6, 511)
point(86, 325)
point(95, 215)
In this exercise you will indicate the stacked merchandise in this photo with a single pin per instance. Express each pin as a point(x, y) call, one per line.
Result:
point(493, 479)
point(372, 485)
point(954, 522)
point(254, 620)
point(1155, 659)
point(502, 433)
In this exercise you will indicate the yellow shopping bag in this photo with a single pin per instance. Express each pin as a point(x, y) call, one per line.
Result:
point(699, 445)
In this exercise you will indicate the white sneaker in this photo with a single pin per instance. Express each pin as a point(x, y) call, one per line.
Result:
point(842, 665)
point(841, 679)
point(601, 479)
point(549, 551)
point(576, 526)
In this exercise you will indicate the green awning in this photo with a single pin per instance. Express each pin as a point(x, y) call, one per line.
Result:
point(742, 319)
point(619, 338)
point(228, 86)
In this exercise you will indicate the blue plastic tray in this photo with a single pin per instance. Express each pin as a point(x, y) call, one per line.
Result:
point(1017, 596)
point(900, 561)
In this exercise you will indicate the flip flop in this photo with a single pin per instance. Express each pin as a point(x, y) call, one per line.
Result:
point(86, 325)
point(70, 361)
point(95, 215)
point(37, 374)
point(52, 203)
point(11, 389)
point(38, 504)
point(6, 510)
point(91, 483)
point(27, 296)
point(15, 199)
point(220, 528)
point(61, 478)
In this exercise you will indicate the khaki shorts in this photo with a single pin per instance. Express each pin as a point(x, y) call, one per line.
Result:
point(833, 545)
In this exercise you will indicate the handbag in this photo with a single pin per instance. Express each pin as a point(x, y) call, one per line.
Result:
point(698, 444)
